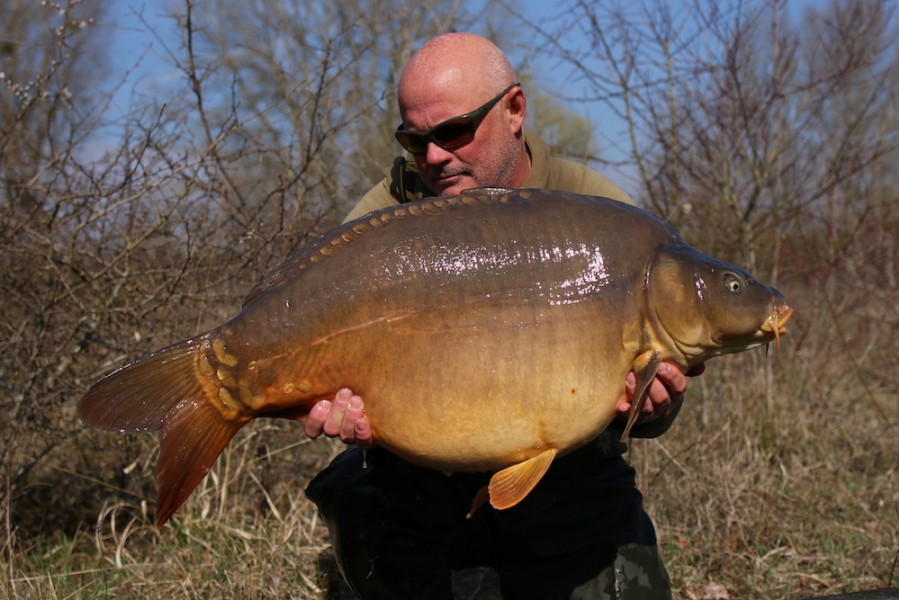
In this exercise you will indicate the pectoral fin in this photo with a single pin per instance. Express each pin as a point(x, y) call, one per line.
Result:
point(645, 368)
point(509, 486)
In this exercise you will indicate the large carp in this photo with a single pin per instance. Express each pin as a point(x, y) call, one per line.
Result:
point(489, 331)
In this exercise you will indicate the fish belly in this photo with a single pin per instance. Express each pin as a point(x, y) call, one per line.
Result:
point(493, 396)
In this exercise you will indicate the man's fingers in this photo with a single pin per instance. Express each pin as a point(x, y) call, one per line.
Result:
point(363, 434)
point(630, 384)
point(666, 391)
point(659, 398)
point(314, 422)
point(672, 378)
point(351, 416)
point(334, 422)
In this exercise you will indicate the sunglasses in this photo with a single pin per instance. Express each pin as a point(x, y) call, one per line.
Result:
point(450, 134)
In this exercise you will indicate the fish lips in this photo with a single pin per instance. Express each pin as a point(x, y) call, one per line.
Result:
point(775, 324)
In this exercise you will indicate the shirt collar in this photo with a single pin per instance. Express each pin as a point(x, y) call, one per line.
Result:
point(538, 177)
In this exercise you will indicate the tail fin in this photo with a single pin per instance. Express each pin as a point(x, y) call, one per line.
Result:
point(162, 392)
point(195, 433)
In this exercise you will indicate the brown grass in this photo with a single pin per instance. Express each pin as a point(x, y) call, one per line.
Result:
point(782, 499)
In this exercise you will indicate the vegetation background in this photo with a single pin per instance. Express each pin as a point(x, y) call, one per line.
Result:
point(133, 216)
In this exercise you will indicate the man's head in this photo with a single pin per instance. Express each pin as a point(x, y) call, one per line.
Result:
point(453, 75)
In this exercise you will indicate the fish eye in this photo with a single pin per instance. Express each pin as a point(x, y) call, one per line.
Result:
point(733, 283)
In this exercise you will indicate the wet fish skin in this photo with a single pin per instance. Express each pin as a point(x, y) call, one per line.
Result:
point(490, 331)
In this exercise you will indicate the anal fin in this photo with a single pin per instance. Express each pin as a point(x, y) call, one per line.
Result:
point(509, 486)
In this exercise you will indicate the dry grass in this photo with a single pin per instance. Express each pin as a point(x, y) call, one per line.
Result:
point(790, 500)
point(786, 500)
point(248, 531)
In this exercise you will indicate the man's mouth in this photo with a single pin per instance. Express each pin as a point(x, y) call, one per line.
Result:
point(447, 176)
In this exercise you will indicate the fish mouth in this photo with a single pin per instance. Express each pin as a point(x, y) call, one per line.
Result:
point(776, 321)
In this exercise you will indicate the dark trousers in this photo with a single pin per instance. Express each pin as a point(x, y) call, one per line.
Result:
point(399, 530)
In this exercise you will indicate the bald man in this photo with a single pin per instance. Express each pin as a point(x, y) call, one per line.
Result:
point(399, 530)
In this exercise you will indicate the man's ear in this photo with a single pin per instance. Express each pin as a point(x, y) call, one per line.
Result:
point(517, 109)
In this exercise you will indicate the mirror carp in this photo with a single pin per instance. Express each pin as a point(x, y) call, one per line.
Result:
point(490, 331)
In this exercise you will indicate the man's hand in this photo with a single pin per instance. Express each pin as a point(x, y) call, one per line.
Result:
point(343, 417)
point(665, 392)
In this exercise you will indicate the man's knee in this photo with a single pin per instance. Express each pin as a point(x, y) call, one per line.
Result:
point(637, 574)
point(387, 540)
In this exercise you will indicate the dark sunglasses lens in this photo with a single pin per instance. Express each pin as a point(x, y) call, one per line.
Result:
point(454, 134)
point(449, 136)
point(412, 142)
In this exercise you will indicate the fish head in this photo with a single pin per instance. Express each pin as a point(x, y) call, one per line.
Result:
point(703, 307)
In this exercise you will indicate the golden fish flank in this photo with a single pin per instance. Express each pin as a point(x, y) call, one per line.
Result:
point(492, 307)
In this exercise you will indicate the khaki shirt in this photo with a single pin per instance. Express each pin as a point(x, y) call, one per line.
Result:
point(546, 172)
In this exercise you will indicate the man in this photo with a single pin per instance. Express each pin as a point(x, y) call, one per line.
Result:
point(398, 529)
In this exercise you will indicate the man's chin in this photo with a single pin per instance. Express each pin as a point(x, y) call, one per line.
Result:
point(457, 187)
point(450, 186)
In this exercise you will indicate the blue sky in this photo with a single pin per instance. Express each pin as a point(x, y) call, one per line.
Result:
point(141, 58)
point(136, 54)
point(135, 44)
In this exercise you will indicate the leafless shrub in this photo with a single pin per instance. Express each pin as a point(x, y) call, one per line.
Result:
point(768, 142)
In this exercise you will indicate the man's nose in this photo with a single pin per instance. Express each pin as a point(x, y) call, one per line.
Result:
point(435, 155)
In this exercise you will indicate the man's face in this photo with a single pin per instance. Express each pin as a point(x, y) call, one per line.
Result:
point(488, 160)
